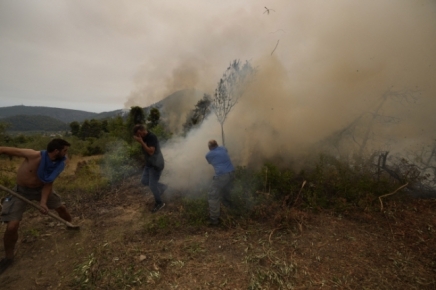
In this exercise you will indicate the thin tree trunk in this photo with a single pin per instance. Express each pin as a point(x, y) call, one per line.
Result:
point(222, 134)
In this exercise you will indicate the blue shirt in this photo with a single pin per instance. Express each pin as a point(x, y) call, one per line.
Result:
point(220, 160)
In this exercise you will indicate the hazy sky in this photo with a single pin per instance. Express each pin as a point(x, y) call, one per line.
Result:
point(105, 55)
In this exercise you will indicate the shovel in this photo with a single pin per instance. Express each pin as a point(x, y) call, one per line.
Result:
point(70, 226)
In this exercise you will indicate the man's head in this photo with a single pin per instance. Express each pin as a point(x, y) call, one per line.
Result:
point(139, 130)
point(58, 147)
point(212, 144)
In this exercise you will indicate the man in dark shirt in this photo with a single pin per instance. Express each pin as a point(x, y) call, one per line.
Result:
point(222, 180)
point(154, 163)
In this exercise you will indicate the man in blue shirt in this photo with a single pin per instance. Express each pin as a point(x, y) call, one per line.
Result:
point(222, 180)
point(35, 178)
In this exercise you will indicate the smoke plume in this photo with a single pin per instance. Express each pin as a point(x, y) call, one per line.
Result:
point(322, 66)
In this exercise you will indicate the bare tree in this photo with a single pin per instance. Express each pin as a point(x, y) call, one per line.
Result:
point(230, 88)
point(361, 130)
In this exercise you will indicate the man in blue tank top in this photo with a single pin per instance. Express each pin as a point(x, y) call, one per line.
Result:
point(222, 180)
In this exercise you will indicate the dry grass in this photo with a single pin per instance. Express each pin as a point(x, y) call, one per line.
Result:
point(122, 245)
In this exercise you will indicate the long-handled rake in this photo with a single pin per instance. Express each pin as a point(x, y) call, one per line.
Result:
point(35, 205)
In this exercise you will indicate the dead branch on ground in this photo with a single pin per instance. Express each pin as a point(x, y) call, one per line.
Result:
point(380, 197)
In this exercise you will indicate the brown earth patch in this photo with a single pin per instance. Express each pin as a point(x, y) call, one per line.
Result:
point(121, 245)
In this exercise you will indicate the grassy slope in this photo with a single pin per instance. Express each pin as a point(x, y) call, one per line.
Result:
point(34, 123)
point(123, 246)
point(64, 115)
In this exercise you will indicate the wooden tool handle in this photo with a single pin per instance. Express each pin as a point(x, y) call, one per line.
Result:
point(35, 205)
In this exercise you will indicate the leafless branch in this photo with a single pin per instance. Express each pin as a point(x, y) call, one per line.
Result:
point(275, 47)
point(399, 188)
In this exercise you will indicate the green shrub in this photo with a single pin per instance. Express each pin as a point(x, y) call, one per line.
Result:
point(94, 146)
point(244, 193)
point(86, 184)
point(195, 209)
point(329, 183)
point(36, 142)
point(341, 186)
point(120, 161)
point(161, 132)
point(161, 223)
point(279, 182)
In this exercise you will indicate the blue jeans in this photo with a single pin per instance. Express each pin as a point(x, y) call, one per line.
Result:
point(150, 177)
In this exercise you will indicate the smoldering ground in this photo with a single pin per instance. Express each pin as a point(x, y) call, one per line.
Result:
point(321, 67)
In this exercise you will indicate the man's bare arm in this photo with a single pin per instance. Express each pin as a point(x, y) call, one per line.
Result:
point(45, 193)
point(19, 152)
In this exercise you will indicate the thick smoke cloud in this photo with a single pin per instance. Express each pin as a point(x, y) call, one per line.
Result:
point(321, 65)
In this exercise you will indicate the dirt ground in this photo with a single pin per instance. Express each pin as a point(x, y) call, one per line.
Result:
point(121, 245)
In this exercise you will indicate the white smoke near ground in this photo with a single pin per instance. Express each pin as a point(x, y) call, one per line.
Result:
point(320, 65)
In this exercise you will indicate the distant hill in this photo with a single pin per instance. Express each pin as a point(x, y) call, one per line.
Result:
point(34, 123)
point(110, 114)
point(173, 108)
point(64, 115)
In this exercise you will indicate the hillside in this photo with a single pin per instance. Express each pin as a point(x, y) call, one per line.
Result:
point(121, 245)
point(34, 123)
point(64, 115)
point(107, 115)
point(173, 109)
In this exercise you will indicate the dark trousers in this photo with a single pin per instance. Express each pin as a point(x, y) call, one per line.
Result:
point(220, 192)
point(150, 177)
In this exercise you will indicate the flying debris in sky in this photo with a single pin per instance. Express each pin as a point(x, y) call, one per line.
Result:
point(268, 10)
point(275, 47)
point(279, 30)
